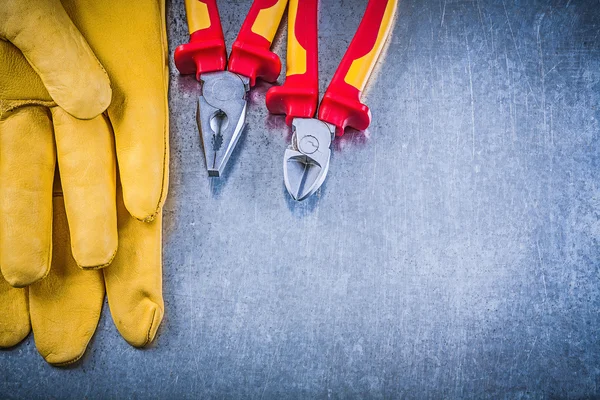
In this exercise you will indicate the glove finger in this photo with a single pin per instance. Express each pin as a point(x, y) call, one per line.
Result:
point(134, 279)
point(142, 153)
point(138, 67)
point(47, 37)
point(27, 161)
point(87, 165)
point(14, 315)
point(65, 307)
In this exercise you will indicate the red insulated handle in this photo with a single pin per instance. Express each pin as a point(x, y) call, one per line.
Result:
point(341, 105)
point(250, 54)
point(299, 95)
point(205, 51)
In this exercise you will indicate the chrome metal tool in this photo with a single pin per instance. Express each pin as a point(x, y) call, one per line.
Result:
point(221, 116)
point(222, 102)
point(306, 161)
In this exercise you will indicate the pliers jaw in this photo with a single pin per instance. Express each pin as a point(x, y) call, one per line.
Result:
point(306, 160)
point(221, 116)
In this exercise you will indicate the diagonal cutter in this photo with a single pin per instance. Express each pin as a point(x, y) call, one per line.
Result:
point(306, 160)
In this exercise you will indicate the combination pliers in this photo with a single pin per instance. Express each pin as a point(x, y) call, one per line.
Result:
point(222, 103)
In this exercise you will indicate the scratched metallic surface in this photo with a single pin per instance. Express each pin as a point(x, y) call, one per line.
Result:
point(453, 251)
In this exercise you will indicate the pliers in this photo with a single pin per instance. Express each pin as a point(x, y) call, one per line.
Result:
point(306, 160)
point(222, 103)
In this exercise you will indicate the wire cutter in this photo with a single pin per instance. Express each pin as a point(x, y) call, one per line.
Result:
point(306, 160)
point(222, 103)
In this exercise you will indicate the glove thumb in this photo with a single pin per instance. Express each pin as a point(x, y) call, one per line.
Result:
point(54, 47)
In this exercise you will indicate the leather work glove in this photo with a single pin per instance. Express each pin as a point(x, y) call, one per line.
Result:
point(45, 91)
point(62, 64)
point(64, 308)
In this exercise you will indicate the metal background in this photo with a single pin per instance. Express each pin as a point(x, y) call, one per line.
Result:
point(453, 251)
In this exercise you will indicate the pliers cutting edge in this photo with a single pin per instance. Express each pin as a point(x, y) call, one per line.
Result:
point(306, 161)
point(222, 104)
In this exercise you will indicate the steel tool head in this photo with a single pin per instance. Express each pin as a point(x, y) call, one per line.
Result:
point(306, 160)
point(221, 116)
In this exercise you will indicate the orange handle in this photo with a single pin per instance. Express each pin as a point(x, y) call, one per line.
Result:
point(341, 104)
point(205, 51)
point(299, 95)
point(250, 54)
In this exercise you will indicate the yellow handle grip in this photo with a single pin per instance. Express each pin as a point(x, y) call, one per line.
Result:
point(206, 50)
point(198, 15)
point(296, 53)
point(361, 68)
point(268, 17)
point(341, 105)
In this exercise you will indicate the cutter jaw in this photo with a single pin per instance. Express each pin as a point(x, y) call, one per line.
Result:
point(221, 116)
point(306, 160)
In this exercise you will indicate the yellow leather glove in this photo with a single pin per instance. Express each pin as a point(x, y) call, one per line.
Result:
point(65, 307)
point(70, 71)
point(49, 77)
point(38, 128)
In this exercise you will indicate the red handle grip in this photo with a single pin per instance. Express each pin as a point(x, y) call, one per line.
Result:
point(205, 51)
point(250, 54)
point(299, 95)
point(341, 105)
